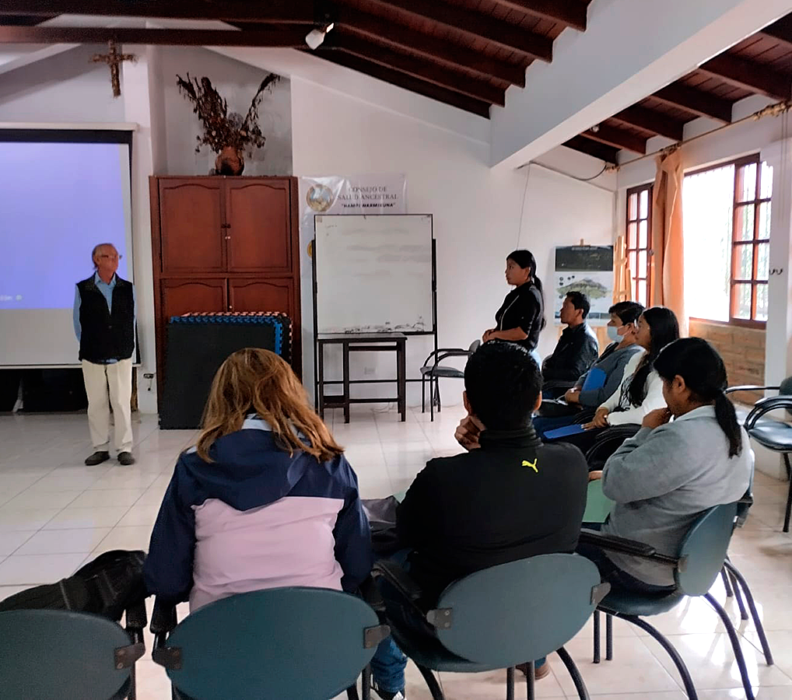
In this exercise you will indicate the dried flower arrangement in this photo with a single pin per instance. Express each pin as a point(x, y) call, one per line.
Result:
point(224, 132)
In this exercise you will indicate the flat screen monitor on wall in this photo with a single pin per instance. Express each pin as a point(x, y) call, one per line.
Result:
point(61, 193)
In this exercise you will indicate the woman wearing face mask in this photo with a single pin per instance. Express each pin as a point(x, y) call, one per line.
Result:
point(521, 317)
point(622, 331)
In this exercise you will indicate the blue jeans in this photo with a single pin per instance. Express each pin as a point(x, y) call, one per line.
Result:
point(388, 664)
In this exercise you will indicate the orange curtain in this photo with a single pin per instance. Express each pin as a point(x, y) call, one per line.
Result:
point(622, 286)
point(668, 250)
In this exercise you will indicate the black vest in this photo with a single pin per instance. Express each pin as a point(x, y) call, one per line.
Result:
point(106, 335)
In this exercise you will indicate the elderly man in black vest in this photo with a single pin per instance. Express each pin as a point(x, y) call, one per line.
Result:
point(104, 322)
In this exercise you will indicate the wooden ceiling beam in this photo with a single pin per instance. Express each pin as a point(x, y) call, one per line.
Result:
point(275, 11)
point(284, 37)
point(617, 138)
point(371, 26)
point(476, 24)
point(695, 101)
point(416, 67)
point(659, 124)
point(405, 81)
point(593, 148)
point(780, 30)
point(749, 75)
point(572, 13)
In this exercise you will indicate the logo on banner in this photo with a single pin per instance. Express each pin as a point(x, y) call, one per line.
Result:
point(320, 198)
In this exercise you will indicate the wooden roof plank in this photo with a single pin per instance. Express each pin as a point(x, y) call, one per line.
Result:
point(416, 67)
point(617, 138)
point(749, 75)
point(649, 120)
point(406, 82)
point(377, 28)
point(568, 12)
point(694, 101)
point(472, 23)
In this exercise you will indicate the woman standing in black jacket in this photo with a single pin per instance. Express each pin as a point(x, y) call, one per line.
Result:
point(521, 317)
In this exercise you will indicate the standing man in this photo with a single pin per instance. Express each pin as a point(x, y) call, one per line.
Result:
point(104, 323)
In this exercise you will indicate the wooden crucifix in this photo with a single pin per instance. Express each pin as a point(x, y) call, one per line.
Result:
point(114, 59)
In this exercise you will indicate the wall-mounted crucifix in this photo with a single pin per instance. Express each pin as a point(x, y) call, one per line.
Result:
point(114, 59)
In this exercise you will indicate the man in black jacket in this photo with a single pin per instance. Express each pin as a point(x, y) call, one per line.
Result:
point(510, 498)
point(104, 323)
point(576, 351)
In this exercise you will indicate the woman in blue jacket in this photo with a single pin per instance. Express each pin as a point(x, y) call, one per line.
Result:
point(265, 499)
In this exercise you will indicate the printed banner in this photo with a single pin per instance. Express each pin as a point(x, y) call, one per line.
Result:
point(356, 194)
point(587, 269)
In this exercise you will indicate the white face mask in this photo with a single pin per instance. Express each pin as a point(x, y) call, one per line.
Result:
point(613, 334)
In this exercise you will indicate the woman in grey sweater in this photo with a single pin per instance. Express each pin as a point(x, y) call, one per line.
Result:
point(671, 471)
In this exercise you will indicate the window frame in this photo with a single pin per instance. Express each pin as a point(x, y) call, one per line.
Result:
point(636, 278)
point(736, 244)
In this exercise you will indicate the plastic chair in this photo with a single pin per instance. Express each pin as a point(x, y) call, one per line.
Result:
point(307, 643)
point(499, 617)
point(46, 654)
point(433, 371)
point(736, 586)
point(699, 562)
point(598, 505)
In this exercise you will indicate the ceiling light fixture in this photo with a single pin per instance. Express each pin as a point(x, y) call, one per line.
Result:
point(316, 37)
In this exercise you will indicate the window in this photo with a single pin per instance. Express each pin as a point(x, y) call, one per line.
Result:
point(639, 226)
point(727, 241)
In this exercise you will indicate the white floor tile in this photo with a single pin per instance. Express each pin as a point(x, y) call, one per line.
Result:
point(132, 538)
point(32, 500)
point(34, 519)
point(38, 569)
point(116, 497)
point(72, 518)
point(64, 541)
point(10, 542)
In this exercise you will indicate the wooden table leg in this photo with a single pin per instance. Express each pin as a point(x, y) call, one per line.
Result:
point(320, 400)
point(401, 360)
point(346, 382)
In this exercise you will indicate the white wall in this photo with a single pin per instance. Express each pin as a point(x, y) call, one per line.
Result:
point(476, 211)
point(63, 88)
point(237, 83)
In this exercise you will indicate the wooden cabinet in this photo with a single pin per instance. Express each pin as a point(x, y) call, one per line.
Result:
point(258, 227)
point(191, 214)
point(224, 244)
point(254, 294)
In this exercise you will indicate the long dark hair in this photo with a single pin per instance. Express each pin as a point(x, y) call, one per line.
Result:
point(525, 259)
point(702, 368)
point(664, 329)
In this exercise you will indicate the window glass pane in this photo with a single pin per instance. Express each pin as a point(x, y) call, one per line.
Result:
point(642, 293)
point(708, 220)
point(643, 235)
point(742, 301)
point(746, 183)
point(633, 267)
point(743, 262)
point(764, 221)
point(744, 223)
point(645, 204)
point(642, 266)
point(632, 207)
point(761, 302)
point(767, 181)
point(631, 236)
point(763, 261)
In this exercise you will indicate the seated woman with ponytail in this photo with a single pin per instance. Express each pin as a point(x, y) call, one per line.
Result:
point(640, 391)
point(671, 472)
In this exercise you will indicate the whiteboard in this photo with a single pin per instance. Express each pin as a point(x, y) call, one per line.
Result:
point(374, 274)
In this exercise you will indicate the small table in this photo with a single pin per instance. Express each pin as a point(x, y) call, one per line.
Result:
point(362, 342)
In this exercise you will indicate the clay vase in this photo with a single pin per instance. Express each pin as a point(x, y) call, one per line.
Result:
point(230, 161)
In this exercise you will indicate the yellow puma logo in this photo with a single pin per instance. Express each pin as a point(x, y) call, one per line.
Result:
point(532, 465)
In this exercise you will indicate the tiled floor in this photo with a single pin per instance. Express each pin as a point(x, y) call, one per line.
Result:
point(56, 513)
